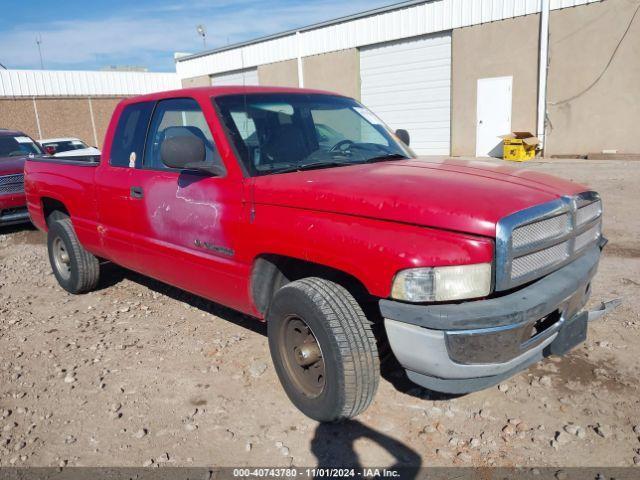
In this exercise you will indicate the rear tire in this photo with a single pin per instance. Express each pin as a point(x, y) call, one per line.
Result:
point(323, 349)
point(76, 270)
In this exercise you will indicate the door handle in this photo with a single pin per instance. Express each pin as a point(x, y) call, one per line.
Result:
point(136, 192)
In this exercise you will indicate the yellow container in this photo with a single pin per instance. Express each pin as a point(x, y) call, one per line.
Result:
point(516, 151)
point(519, 146)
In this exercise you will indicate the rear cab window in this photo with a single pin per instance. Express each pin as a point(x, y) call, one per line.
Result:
point(128, 142)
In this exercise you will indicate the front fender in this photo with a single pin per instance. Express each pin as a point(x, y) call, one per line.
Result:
point(370, 250)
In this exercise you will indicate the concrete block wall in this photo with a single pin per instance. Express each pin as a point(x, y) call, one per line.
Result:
point(102, 111)
point(82, 117)
point(60, 117)
point(336, 72)
point(202, 81)
point(279, 74)
point(505, 48)
point(593, 94)
point(590, 106)
point(19, 114)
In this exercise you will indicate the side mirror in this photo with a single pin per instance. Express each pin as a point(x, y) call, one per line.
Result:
point(186, 152)
point(404, 136)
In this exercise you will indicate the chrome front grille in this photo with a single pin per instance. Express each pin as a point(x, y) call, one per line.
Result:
point(535, 261)
point(11, 184)
point(536, 241)
point(588, 213)
point(540, 232)
point(587, 238)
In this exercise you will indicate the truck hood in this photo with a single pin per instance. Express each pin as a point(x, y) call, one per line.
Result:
point(11, 165)
point(458, 195)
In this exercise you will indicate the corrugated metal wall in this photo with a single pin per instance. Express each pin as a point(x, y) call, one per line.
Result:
point(50, 83)
point(421, 19)
point(407, 83)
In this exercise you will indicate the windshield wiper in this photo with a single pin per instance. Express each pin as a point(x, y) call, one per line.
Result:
point(333, 163)
point(387, 157)
point(310, 166)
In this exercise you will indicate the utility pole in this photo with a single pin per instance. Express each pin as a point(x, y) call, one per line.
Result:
point(39, 43)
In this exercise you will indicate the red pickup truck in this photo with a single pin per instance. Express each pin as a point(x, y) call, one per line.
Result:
point(302, 209)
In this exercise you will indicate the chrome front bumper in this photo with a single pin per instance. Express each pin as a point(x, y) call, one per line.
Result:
point(459, 348)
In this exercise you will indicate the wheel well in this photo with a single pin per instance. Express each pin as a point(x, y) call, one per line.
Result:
point(51, 205)
point(271, 272)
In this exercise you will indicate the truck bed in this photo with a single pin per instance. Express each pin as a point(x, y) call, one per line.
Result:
point(81, 160)
point(71, 182)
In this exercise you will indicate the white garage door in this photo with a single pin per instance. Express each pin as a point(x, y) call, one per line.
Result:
point(238, 77)
point(408, 84)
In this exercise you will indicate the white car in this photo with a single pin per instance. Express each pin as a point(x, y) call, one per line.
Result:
point(68, 147)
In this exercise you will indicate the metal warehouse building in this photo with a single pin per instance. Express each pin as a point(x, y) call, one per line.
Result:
point(458, 73)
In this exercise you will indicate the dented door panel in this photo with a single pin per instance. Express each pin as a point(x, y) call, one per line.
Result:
point(185, 233)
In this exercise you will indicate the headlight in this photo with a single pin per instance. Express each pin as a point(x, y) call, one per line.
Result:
point(440, 284)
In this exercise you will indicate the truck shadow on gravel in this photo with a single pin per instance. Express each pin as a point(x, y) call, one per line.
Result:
point(393, 373)
point(334, 444)
point(111, 275)
point(390, 370)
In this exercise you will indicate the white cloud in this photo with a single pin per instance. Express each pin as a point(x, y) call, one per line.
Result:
point(150, 36)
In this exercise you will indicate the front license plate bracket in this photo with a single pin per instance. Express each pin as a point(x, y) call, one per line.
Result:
point(571, 334)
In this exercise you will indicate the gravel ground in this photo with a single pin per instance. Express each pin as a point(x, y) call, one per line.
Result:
point(138, 373)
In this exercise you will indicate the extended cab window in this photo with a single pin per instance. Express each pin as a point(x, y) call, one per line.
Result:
point(178, 117)
point(128, 142)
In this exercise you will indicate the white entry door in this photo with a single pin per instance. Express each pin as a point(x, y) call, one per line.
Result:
point(493, 114)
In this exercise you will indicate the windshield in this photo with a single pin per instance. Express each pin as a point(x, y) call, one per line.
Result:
point(282, 132)
point(18, 146)
point(66, 145)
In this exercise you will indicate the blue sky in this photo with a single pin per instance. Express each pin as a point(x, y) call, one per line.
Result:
point(88, 35)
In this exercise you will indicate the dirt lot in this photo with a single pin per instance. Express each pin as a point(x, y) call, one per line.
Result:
point(139, 373)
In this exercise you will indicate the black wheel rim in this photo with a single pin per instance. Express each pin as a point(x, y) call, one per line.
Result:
point(302, 356)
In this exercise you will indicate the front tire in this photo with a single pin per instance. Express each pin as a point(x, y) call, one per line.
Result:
point(323, 349)
point(76, 270)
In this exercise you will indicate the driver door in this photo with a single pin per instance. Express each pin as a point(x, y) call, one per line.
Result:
point(186, 221)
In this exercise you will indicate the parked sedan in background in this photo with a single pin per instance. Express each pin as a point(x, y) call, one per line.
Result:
point(68, 147)
point(15, 146)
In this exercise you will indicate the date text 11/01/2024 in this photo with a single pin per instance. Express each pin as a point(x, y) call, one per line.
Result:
point(316, 473)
